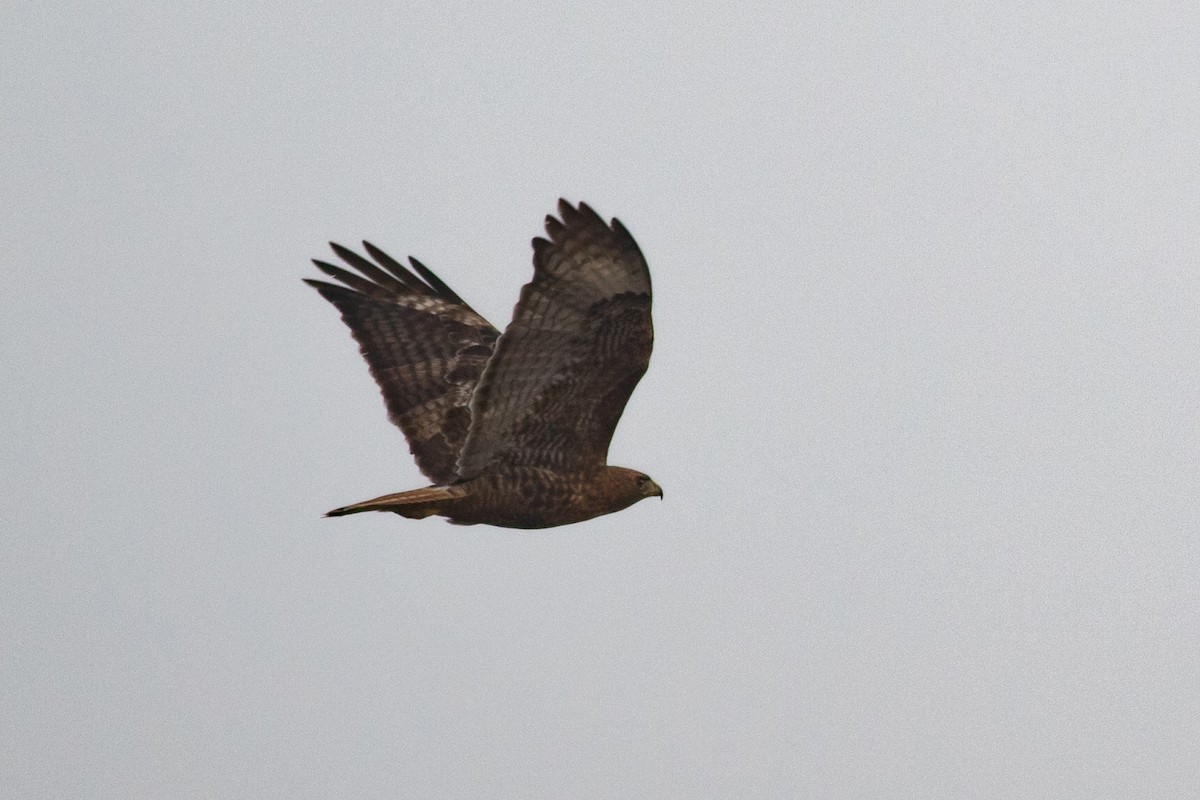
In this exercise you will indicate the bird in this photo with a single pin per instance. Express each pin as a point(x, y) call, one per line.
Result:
point(512, 429)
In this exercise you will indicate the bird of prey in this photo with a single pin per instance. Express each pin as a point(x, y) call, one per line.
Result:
point(512, 430)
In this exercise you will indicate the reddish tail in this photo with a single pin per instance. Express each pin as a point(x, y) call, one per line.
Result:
point(414, 504)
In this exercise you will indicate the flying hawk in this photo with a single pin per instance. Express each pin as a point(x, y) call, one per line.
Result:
point(512, 430)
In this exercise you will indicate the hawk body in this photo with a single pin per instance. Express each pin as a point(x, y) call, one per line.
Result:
point(513, 429)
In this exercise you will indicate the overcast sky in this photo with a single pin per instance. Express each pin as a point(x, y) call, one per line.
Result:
point(923, 402)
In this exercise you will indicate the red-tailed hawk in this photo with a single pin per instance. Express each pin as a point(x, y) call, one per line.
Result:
point(513, 430)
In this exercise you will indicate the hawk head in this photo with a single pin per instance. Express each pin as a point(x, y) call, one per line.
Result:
point(647, 487)
point(620, 488)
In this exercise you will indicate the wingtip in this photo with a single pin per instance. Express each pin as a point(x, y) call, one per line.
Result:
point(571, 213)
point(378, 253)
point(345, 253)
point(330, 291)
point(620, 229)
point(327, 268)
point(568, 212)
point(590, 214)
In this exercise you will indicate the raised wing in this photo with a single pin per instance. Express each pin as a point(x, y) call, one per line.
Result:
point(579, 342)
point(425, 347)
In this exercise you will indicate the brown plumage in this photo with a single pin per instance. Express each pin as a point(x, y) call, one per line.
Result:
point(513, 430)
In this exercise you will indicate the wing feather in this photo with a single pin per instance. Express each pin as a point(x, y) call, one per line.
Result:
point(578, 344)
point(425, 348)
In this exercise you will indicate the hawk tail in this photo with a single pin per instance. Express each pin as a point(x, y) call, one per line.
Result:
point(414, 504)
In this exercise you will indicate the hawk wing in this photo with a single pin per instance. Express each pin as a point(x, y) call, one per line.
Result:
point(579, 341)
point(425, 347)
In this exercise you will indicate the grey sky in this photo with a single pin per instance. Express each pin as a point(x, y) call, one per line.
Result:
point(923, 403)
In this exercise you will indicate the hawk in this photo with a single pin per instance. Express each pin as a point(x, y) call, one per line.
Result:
point(513, 430)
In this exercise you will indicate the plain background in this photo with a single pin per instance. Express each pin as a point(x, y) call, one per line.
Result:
point(923, 402)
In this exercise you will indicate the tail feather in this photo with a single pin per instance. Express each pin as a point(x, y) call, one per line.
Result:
point(414, 504)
